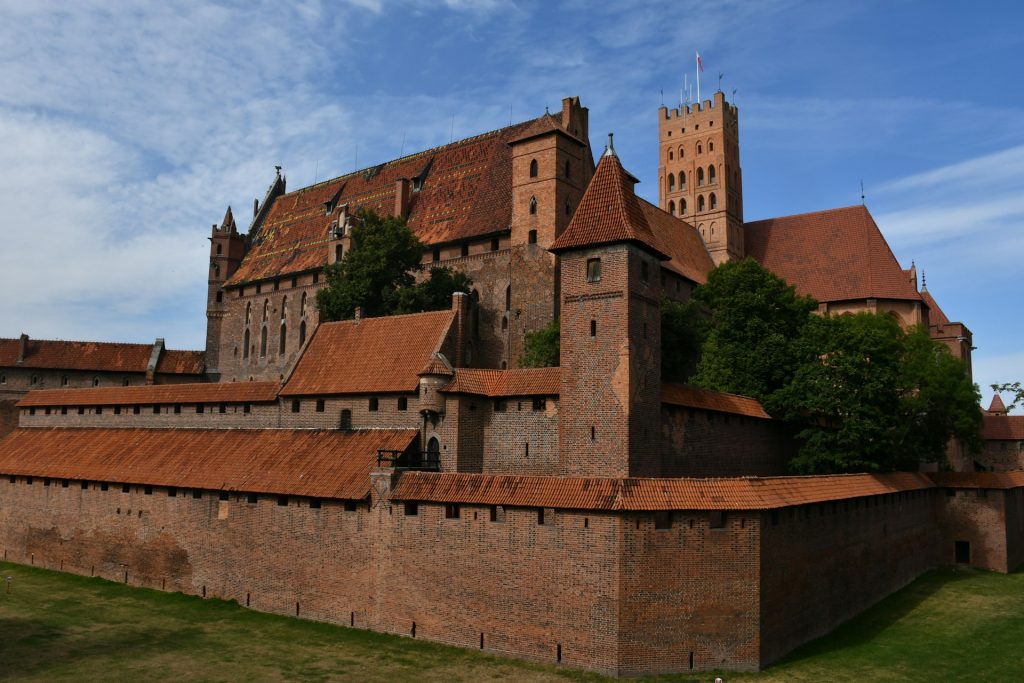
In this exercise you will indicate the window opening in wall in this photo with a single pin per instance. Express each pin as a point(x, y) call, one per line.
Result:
point(713, 201)
point(126, 488)
point(500, 405)
point(64, 483)
point(95, 381)
point(716, 519)
point(64, 380)
point(314, 503)
point(246, 408)
point(451, 511)
point(34, 379)
point(177, 409)
point(962, 550)
point(282, 501)
point(593, 270)
point(465, 249)
point(224, 495)
point(700, 203)
point(282, 343)
point(136, 410)
point(127, 382)
point(346, 419)
point(533, 168)
point(540, 515)
point(99, 410)
point(527, 451)
point(156, 410)
point(663, 519)
point(46, 411)
point(316, 278)
point(672, 208)
point(46, 481)
point(245, 345)
point(403, 403)
point(350, 506)
point(436, 254)
point(531, 237)
point(117, 410)
point(494, 244)
point(84, 485)
point(558, 653)
point(320, 405)
point(374, 404)
point(568, 207)
point(200, 409)
point(104, 486)
point(296, 405)
point(671, 182)
point(147, 490)
point(252, 498)
point(172, 492)
point(593, 328)
point(197, 494)
point(411, 509)
point(533, 206)
point(540, 403)
point(222, 408)
point(711, 171)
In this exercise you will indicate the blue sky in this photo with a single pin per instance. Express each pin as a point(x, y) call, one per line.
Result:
point(126, 129)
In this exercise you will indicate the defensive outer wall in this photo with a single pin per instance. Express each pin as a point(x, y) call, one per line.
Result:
point(620, 592)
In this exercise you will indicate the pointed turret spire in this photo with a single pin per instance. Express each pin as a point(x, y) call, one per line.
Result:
point(609, 151)
point(229, 221)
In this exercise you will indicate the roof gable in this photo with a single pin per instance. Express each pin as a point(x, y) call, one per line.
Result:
point(609, 212)
point(834, 255)
point(688, 256)
point(372, 355)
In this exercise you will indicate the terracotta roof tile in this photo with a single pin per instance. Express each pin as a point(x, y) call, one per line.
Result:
point(705, 399)
point(497, 383)
point(467, 193)
point(1002, 427)
point(374, 355)
point(438, 365)
point(609, 212)
point(834, 255)
point(997, 405)
point(649, 494)
point(936, 316)
point(548, 123)
point(99, 356)
point(688, 255)
point(227, 392)
point(978, 480)
point(320, 464)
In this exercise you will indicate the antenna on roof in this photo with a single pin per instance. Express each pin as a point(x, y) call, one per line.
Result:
point(862, 192)
point(316, 171)
point(734, 97)
point(720, 75)
point(663, 97)
point(401, 152)
point(924, 280)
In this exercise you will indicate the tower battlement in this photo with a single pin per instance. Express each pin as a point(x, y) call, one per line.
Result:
point(718, 103)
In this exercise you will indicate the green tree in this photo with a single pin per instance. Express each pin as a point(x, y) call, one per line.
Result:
point(755, 319)
point(541, 347)
point(683, 329)
point(1012, 388)
point(378, 273)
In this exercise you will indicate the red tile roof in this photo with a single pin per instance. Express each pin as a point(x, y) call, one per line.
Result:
point(97, 356)
point(549, 123)
point(373, 355)
point(1002, 427)
point(649, 494)
point(997, 405)
point(320, 464)
point(227, 392)
point(467, 193)
point(978, 480)
point(936, 315)
point(609, 212)
point(834, 255)
point(496, 383)
point(438, 365)
point(705, 399)
point(688, 255)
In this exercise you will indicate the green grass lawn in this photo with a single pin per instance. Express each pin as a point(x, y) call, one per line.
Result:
point(945, 626)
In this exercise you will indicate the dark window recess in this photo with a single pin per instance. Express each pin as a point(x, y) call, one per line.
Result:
point(84, 485)
point(465, 249)
point(64, 410)
point(148, 490)
point(350, 505)
point(593, 328)
point(540, 515)
point(177, 409)
point(126, 488)
point(156, 410)
point(104, 486)
point(593, 270)
point(314, 503)
point(540, 403)
point(99, 410)
point(200, 409)
point(494, 244)
point(197, 494)
point(247, 408)
point(716, 519)
point(403, 403)
point(320, 405)
point(663, 519)
point(411, 509)
point(500, 405)
point(172, 492)
point(437, 254)
point(136, 410)
point(252, 498)
point(963, 552)
point(64, 483)
point(282, 501)
point(374, 404)
point(46, 482)
point(451, 511)
point(224, 495)
point(346, 419)
point(81, 410)
point(222, 408)
point(296, 405)
point(531, 237)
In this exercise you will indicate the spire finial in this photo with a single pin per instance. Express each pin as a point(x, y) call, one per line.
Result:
point(924, 280)
point(610, 150)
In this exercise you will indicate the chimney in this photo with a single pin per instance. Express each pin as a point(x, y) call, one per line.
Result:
point(359, 314)
point(22, 347)
point(402, 197)
point(255, 207)
point(154, 360)
point(460, 304)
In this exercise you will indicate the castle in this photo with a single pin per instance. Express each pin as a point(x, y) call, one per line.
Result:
point(402, 474)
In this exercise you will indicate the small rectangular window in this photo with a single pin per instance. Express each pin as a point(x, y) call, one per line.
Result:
point(99, 410)
point(81, 410)
point(200, 408)
point(224, 495)
point(252, 499)
point(172, 492)
point(540, 516)
point(403, 403)
point(716, 519)
point(296, 405)
point(350, 506)
point(177, 409)
point(497, 513)
point(451, 511)
point(540, 403)
point(156, 410)
point(314, 503)
point(282, 501)
point(593, 270)
point(437, 254)
point(104, 486)
point(373, 404)
point(593, 328)
point(531, 237)
point(64, 410)
point(320, 405)
point(246, 408)
point(64, 483)
point(46, 482)
point(136, 410)
point(465, 249)
point(126, 488)
point(148, 490)
point(222, 408)
point(494, 244)
point(197, 494)
point(663, 519)
point(500, 405)
point(84, 485)
point(411, 509)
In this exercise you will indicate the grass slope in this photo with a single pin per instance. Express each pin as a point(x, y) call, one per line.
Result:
point(945, 626)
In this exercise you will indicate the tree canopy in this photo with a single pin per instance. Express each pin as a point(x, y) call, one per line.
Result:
point(541, 347)
point(859, 392)
point(683, 330)
point(378, 273)
point(1014, 389)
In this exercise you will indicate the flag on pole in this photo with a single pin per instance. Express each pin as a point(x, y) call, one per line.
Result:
point(700, 63)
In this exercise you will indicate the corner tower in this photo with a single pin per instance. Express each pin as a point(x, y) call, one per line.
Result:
point(699, 175)
point(610, 406)
point(227, 248)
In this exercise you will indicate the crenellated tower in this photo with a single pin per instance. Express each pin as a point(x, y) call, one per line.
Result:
point(699, 174)
point(227, 248)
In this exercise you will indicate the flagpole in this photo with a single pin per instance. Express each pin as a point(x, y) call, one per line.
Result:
point(698, 78)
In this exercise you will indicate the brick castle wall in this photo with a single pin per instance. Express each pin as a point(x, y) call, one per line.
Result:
point(990, 520)
point(700, 443)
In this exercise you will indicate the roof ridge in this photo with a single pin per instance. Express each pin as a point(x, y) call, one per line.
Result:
point(809, 213)
point(363, 321)
point(714, 391)
point(407, 157)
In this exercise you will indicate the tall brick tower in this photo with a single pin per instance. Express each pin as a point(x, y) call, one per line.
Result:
point(699, 175)
point(610, 406)
point(227, 248)
point(551, 167)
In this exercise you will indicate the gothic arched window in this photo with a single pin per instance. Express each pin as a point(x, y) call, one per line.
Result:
point(302, 333)
point(700, 203)
point(263, 342)
point(282, 344)
point(245, 347)
point(672, 208)
point(284, 306)
point(302, 305)
point(700, 177)
point(533, 168)
point(266, 309)
point(698, 148)
point(713, 201)
point(671, 182)
point(711, 175)
point(682, 207)
point(533, 205)
point(711, 146)
point(248, 312)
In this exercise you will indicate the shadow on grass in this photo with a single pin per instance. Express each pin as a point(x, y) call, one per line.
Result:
point(872, 622)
